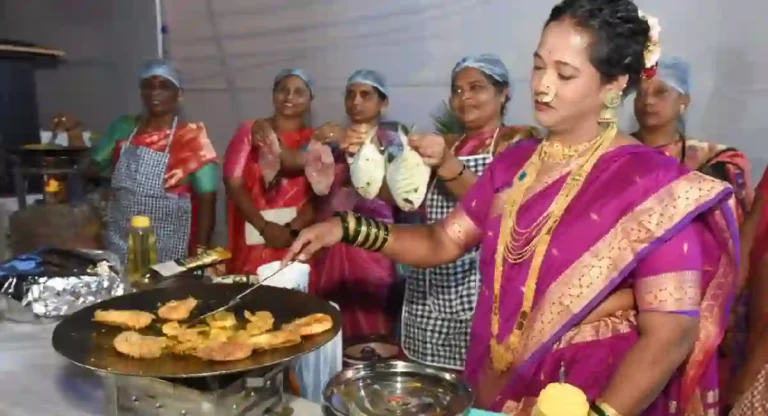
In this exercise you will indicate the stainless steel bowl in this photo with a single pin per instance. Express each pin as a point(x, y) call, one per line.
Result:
point(396, 388)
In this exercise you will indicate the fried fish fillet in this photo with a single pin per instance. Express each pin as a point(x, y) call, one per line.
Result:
point(260, 322)
point(182, 332)
point(177, 310)
point(224, 351)
point(311, 325)
point(273, 339)
point(130, 319)
point(135, 345)
point(221, 320)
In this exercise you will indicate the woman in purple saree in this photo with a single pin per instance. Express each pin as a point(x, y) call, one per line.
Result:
point(602, 261)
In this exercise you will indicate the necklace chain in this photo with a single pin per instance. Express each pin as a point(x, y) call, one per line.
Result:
point(511, 243)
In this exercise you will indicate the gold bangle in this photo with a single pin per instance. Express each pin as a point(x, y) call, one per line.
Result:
point(606, 408)
point(386, 234)
point(363, 226)
point(377, 234)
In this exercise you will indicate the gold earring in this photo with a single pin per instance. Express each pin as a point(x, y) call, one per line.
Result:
point(608, 113)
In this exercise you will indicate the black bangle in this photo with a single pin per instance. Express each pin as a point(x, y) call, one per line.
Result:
point(458, 175)
point(596, 409)
point(344, 218)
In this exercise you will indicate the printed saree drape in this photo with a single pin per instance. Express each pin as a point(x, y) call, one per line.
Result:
point(641, 222)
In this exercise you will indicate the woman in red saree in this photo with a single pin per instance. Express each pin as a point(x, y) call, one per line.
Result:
point(362, 283)
point(265, 209)
point(181, 201)
point(602, 261)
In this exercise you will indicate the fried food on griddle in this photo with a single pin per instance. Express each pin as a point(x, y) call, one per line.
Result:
point(135, 345)
point(184, 348)
point(130, 319)
point(171, 328)
point(260, 322)
point(220, 334)
point(311, 325)
point(184, 333)
point(224, 351)
point(177, 310)
point(221, 320)
point(273, 339)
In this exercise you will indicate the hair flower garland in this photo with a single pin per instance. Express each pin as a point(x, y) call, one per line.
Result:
point(652, 51)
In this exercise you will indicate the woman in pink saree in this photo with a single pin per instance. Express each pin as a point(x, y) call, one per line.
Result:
point(602, 261)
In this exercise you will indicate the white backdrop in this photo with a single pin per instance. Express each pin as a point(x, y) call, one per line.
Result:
point(229, 51)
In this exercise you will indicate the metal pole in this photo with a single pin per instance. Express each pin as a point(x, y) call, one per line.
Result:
point(159, 28)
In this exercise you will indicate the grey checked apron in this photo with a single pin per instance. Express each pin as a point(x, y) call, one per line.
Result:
point(440, 301)
point(138, 189)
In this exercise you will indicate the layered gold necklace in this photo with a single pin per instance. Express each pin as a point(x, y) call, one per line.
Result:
point(516, 244)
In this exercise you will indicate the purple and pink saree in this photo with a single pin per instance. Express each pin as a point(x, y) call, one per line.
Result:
point(640, 223)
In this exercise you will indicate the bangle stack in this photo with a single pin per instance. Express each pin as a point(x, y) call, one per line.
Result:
point(601, 408)
point(363, 232)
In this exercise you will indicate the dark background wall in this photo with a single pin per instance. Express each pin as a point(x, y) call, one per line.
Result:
point(106, 42)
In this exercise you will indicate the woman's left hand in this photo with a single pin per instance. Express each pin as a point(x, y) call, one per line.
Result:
point(430, 146)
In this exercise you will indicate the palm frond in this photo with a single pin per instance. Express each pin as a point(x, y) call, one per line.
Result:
point(445, 122)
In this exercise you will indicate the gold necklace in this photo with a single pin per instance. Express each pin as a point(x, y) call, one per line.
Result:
point(556, 152)
point(505, 353)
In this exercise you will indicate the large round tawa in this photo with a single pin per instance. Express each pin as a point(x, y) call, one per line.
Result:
point(89, 344)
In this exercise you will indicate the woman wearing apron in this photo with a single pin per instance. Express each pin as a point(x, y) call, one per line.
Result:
point(362, 283)
point(440, 301)
point(266, 208)
point(161, 168)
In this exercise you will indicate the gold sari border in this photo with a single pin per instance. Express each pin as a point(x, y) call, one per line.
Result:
point(620, 323)
point(669, 292)
point(596, 270)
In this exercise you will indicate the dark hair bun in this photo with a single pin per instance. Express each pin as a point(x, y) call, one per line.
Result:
point(619, 35)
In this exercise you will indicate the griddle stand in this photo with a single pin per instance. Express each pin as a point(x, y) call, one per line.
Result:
point(259, 392)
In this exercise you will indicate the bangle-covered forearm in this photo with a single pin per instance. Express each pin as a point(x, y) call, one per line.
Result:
point(414, 245)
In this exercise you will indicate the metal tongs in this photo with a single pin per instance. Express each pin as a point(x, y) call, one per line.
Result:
point(237, 300)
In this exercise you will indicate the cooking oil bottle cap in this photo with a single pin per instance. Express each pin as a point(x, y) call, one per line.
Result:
point(140, 221)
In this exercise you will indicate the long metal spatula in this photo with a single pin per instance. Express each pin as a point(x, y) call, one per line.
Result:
point(234, 302)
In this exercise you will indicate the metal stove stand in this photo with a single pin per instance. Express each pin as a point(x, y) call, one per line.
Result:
point(259, 392)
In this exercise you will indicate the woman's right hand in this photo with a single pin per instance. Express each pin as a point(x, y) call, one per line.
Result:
point(355, 137)
point(312, 239)
point(328, 133)
point(262, 132)
point(430, 146)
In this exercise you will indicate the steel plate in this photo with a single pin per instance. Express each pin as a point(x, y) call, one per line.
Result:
point(396, 388)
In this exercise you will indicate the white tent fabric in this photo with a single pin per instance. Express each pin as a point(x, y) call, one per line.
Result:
point(229, 51)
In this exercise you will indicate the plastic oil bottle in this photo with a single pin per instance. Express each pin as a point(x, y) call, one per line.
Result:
point(142, 251)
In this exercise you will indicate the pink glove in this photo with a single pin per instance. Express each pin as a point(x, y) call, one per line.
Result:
point(320, 168)
point(269, 158)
